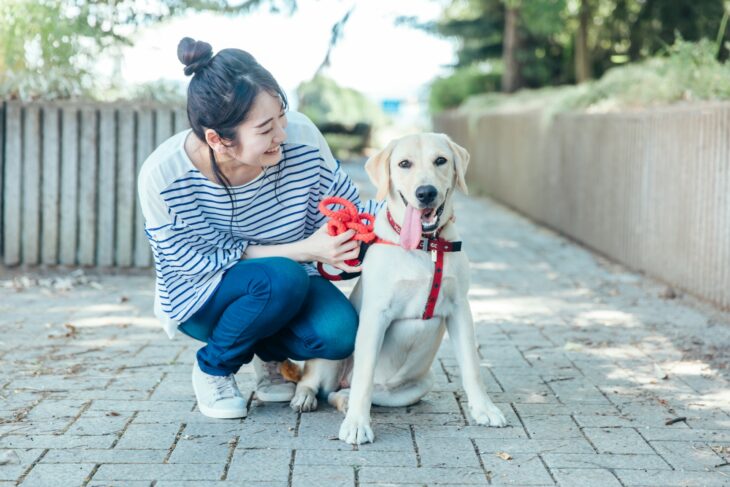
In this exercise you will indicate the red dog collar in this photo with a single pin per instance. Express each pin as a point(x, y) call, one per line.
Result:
point(437, 246)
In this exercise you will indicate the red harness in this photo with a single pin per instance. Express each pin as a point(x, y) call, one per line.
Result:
point(437, 246)
point(348, 218)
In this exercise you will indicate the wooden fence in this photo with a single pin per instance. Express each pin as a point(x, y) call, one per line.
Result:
point(68, 181)
point(650, 189)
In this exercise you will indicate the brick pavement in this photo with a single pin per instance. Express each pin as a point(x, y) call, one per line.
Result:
point(588, 361)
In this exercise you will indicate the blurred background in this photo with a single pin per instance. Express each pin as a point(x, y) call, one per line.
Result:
point(605, 120)
point(366, 71)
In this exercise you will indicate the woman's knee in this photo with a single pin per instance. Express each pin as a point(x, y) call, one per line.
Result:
point(272, 276)
point(288, 280)
point(336, 340)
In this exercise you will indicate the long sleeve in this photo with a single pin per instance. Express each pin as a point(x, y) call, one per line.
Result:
point(190, 255)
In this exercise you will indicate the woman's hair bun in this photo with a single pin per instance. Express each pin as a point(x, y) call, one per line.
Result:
point(195, 55)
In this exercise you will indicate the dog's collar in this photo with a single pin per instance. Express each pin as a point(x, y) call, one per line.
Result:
point(437, 246)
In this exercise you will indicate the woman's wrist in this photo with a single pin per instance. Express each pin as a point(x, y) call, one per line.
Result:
point(298, 251)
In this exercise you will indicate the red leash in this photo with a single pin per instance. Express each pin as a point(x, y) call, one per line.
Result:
point(342, 220)
point(347, 218)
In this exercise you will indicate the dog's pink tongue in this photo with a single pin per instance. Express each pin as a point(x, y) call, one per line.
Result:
point(410, 233)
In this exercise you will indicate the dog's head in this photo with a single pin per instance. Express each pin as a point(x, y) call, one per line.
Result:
point(417, 175)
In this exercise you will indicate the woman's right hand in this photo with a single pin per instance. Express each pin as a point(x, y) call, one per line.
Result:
point(335, 250)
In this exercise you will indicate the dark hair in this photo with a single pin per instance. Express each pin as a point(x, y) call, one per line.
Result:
point(222, 91)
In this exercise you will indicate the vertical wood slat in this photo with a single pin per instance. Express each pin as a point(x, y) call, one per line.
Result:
point(163, 125)
point(69, 185)
point(126, 189)
point(51, 172)
point(181, 120)
point(107, 186)
point(3, 113)
point(31, 184)
point(145, 143)
point(13, 177)
point(87, 187)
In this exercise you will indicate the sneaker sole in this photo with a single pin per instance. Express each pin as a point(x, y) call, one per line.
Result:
point(275, 396)
point(222, 414)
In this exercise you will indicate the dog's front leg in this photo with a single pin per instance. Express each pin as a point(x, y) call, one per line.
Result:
point(355, 428)
point(461, 333)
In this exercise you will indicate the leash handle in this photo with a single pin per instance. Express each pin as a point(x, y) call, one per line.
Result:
point(342, 220)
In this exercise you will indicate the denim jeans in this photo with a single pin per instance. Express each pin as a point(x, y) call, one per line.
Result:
point(271, 307)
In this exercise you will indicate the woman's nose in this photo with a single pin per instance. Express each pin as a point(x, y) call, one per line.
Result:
point(280, 134)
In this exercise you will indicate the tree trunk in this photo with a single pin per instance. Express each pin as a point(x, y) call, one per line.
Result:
point(582, 52)
point(511, 79)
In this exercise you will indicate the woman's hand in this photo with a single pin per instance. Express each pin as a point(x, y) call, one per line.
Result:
point(334, 251)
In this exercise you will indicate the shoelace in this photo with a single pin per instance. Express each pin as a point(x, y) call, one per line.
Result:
point(225, 386)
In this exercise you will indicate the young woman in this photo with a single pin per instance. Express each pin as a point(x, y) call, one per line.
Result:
point(230, 210)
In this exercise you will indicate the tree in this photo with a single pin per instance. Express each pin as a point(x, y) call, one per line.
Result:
point(47, 47)
point(583, 69)
point(533, 43)
point(511, 74)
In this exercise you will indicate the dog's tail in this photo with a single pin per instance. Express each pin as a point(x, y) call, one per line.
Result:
point(290, 371)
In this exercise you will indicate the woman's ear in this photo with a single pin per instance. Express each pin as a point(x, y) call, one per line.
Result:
point(214, 141)
point(378, 169)
point(461, 162)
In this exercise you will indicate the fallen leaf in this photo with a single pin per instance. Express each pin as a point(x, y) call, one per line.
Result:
point(71, 330)
point(504, 455)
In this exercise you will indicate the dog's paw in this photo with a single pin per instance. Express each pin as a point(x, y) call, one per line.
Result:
point(339, 400)
point(487, 415)
point(356, 430)
point(304, 400)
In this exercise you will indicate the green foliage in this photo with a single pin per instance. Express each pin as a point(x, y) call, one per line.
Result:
point(690, 71)
point(451, 91)
point(48, 47)
point(166, 92)
point(325, 102)
point(330, 105)
point(619, 31)
point(44, 50)
point(687, 71)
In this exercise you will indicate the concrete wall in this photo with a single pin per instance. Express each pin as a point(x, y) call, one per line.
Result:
point(650, 189)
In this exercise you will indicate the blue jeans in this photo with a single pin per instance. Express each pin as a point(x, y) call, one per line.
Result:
point(271, 307)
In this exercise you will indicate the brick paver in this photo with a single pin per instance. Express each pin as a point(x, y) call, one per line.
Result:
point(588, 361)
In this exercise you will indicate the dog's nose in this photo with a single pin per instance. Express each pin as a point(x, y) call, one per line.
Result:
point(426, 194)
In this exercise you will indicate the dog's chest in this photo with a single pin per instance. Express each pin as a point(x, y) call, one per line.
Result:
point(414, 285)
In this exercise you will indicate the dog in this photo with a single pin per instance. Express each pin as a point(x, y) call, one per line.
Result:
point(407, 297)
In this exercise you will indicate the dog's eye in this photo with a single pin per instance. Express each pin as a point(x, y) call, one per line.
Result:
point(440, 161)
point(405, 164)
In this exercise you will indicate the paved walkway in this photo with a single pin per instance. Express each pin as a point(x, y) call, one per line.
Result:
point(605, 377)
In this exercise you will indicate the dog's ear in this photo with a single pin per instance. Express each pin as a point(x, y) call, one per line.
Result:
point(378, 169)
point(461, 162)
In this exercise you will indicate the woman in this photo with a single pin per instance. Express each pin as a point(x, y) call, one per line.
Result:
point(230, 211)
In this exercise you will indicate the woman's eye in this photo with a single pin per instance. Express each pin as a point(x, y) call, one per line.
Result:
point(405, 164)
point(440, 161)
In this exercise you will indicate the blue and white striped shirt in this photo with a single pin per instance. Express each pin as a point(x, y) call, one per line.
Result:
point(196, 233)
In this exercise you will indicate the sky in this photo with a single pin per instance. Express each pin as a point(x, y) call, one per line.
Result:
point(374, 56)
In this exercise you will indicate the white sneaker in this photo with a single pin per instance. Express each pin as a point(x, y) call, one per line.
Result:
point(270, 384)
point(218, 396)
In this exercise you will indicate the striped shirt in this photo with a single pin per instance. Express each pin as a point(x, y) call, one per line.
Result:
point(196, 234)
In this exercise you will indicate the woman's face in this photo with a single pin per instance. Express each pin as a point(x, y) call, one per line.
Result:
point(261, 135)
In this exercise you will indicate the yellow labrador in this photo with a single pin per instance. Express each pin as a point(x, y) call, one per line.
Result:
point(397, 339)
